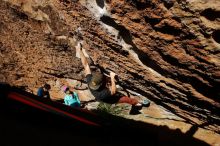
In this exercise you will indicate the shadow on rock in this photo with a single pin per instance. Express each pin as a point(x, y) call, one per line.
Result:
point(27, 125)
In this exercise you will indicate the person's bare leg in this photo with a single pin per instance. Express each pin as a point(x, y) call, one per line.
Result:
point(84, 60)
point(131, 101)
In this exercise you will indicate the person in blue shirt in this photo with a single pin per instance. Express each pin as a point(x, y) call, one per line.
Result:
point(71, 98)
point(44, 91)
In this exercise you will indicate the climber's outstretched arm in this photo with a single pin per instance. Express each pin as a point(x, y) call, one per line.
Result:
point(84, 61)
point(113, 86)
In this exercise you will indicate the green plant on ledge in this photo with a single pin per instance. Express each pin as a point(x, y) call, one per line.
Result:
point(113, 109)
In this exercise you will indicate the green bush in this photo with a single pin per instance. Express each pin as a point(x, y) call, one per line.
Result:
point(111, 109)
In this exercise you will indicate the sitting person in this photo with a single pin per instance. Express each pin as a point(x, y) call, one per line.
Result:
point(71, 98)
point(97, 86)
point(44, 91)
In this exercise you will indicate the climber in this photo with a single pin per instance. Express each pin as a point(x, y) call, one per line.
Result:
point(44, 91)
point(71, 98)
point(98, 87)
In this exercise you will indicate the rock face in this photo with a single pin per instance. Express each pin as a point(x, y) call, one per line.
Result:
point(166, 50)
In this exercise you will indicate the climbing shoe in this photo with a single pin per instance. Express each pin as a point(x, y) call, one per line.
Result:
point(145, 103)
point(135, 109)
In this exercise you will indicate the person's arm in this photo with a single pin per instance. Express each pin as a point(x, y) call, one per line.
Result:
point(65, 100)
point(77, 97)
point(113, 86)
point(48, 95)
point(84, 61)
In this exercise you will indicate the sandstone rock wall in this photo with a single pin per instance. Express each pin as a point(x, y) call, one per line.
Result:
point(167, 50)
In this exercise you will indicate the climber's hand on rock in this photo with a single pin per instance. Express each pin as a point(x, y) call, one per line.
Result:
point(112, 74)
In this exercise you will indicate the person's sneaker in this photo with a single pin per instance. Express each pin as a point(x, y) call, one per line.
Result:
point(145, 103)
point(134, 110)
point(138, 106)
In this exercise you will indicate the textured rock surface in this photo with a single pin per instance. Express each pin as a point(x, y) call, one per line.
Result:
point(166, 50)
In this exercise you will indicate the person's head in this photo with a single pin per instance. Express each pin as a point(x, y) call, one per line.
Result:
point(47, 87)
point(67, 90)
point(96, 81)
